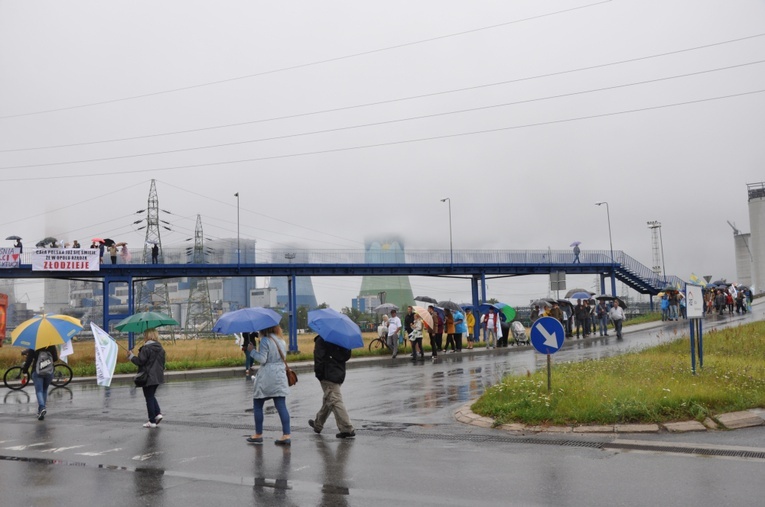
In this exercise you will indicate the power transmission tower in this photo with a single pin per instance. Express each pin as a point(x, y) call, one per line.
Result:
point(199, 316)
point(152, 295)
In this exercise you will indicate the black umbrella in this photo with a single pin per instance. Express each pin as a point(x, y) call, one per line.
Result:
point(385, 308)
point(108, 242)
point(451, 305)
point(542, 303)
point(46, 241)
point(427, 299)
point(13, 238)
point(563, 302)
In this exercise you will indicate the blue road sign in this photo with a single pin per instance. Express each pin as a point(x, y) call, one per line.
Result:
point(547, 335)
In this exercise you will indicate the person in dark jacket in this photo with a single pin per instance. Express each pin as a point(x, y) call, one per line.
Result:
point(248, 338)
point(41, 382)
point(329, 366)
point(151, 358)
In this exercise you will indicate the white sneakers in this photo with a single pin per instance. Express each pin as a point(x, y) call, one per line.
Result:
point(148, 424)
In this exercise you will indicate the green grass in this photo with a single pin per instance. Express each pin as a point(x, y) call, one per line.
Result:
point(650, 386)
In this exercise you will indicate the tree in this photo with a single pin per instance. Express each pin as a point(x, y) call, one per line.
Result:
point(302, 317)
point(354, 314)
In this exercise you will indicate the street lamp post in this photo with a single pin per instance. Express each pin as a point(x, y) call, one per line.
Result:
point(610, 243)
point(238, 246)
point(451, 248)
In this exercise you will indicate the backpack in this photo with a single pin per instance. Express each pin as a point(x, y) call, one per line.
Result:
point(44, 363)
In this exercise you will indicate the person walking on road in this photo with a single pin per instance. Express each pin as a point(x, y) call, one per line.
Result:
point(394, 328)
point(41, 362)
point(151, 358)
point(577, 251)
point(602, 315)
point(248, 338)
point(329, 366)
point(270, 383)
point(617, 316)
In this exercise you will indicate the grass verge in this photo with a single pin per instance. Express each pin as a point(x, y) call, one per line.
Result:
point(650, 386)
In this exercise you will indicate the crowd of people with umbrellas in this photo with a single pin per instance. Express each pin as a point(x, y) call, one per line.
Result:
point(582, 313)
point(115, 249)
point(721, 297)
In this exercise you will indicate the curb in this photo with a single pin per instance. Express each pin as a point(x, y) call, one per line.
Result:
point(729, 421)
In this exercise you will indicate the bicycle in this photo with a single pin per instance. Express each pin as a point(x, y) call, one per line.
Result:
point(14, 376)
point(381, 342)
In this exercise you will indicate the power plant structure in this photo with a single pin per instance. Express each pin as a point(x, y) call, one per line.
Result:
point(756, 246)
point(749, 247)
point(388, 289)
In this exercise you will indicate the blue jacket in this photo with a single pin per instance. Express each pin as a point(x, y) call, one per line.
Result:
point(459, 323)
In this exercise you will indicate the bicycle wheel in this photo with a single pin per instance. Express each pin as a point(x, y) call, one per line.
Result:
point(377, 344)
point(13, 378)
point(62, 375)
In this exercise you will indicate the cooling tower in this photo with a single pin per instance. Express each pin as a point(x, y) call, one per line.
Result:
point(757, 240)
point(397, 289)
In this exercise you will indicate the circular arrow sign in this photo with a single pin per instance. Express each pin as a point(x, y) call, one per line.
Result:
point(547, 335)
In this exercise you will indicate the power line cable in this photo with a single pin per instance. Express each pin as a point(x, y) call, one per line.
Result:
point(310, 64)
point(261, 214)
point(386, 122)
point(390, 143)
point(389, 101)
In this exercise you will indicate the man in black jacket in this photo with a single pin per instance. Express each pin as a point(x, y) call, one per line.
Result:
point(329, 366)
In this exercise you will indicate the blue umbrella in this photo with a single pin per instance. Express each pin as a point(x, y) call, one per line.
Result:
point(247, 320)
point(580, 295)
point(336, 328)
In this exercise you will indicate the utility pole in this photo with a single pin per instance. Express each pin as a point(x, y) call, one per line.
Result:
point(199, 314)
point(152, 295)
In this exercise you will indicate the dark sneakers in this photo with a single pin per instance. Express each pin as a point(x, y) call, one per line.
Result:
point(345, 434)
point(313, 425)
point(41, 415)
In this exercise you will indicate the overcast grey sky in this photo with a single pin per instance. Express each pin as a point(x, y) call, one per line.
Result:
point(339, 121)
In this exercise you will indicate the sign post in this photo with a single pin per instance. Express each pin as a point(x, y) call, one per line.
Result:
point(547, 336)
point(695, 309)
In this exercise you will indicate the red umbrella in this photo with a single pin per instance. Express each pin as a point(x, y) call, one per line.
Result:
point(97, 240)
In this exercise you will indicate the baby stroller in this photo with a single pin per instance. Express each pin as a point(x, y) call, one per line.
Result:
point(519, 333)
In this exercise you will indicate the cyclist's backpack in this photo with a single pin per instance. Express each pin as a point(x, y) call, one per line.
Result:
point(44, 363)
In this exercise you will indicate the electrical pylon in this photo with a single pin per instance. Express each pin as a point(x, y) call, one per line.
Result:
point(199, 315)
point(152, 295)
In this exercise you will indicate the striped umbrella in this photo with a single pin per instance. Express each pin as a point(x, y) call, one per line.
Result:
point(45, 330)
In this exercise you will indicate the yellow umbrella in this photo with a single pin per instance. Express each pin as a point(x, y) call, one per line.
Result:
point(44, 330)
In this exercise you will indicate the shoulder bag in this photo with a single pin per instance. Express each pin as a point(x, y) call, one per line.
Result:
point(292, 377)
point(142, 377)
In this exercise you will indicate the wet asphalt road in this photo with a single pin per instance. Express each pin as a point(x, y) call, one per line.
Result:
point(91, 449)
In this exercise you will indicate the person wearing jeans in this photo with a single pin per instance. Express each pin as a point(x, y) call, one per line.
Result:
point(41, 381)
point(490, 325)
point(270, 383)
point(151, 358)
point(602, 314)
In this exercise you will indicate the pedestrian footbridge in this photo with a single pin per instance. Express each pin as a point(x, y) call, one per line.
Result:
point(475, 265)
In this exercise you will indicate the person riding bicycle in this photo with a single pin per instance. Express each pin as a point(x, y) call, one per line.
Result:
point(42, 374)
